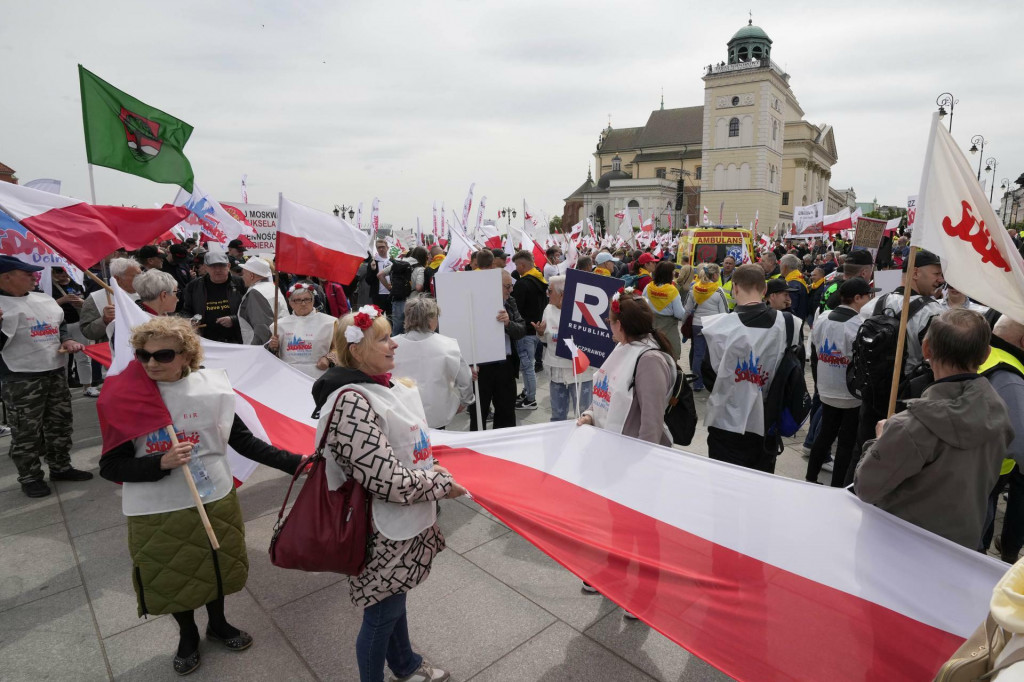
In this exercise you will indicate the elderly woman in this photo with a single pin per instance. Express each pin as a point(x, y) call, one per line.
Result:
point(377, 433)
point(434, 362)
point(304, 338)
point(563, 382)
point(174, 568)
point(706, 298)
point(620, 405)
point(158, 292)
point(664, 299)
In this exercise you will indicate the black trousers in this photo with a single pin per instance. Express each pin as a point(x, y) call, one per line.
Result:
point(835, 421)
point(868, 417)
point(498, 387)
point(744, 449)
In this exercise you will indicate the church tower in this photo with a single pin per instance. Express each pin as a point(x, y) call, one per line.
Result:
point(746, 104)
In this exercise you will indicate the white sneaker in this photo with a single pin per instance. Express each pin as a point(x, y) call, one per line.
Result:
point(426, 673)
point(5, 430)
point(828, 466)
point(91, 392)
point(806, 451)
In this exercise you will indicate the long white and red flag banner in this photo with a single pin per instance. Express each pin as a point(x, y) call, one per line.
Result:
point(763, 577)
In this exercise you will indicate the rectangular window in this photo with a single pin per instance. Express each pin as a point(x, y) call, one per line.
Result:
point(697, 175)
point(785, 198)
point(659, 172)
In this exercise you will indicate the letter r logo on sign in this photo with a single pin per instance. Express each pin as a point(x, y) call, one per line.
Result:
point(590, 304)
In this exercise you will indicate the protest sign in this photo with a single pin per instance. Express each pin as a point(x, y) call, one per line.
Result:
point(471, 302)
point(809, 218)
point(263, 220)
point(869, 234)
point(887, 280)
point(585, 307)
point(911, 212)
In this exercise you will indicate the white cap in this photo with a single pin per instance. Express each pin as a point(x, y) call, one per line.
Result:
point(258, 267)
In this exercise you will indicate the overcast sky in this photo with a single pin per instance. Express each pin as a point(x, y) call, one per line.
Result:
point(335, 103)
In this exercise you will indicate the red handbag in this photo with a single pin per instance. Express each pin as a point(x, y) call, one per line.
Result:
point(326, 530)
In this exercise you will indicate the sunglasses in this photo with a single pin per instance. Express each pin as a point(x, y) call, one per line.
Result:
point(162, 356)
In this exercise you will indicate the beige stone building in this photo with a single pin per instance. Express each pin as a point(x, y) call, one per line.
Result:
point(746, 151)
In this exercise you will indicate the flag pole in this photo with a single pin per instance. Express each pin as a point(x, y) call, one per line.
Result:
point(902, 338)
point(195, 493)
point(277, 276)
point(476, 368)
point(576, 380)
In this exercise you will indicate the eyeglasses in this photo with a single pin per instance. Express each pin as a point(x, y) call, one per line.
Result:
point(163, 356)
point(301, 300)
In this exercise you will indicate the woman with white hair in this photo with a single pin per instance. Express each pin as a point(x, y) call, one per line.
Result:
point(158, 292)
point(434, 362)
point(705, 299)
point(304, 338)
point(563, 381)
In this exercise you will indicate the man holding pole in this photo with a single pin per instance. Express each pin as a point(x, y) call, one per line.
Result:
point(33, 341)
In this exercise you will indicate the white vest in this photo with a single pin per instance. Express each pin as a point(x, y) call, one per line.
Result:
point(32, 326)
point(202, 406)
point(304, 340)
point(267, 289)
point(745, 359)
point(833, 342)
point(99, 299)
point(404, 424)
point(433, 363)
point(612, 395)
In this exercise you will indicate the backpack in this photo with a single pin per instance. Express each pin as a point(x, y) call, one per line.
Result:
point(869, 374)
point(401, 280)
point(680, 413)
point(630, 280)
point(428, 281)
point(788, 404)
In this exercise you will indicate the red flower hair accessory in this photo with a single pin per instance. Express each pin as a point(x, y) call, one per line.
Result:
point(362, 321)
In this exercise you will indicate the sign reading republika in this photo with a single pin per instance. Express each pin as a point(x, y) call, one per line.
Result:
point(585, 307)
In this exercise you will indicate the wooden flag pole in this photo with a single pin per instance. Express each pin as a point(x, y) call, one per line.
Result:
point(110, 292)
point(195, 493)
point(901, 341)
point(277, 298)
point(476, 382)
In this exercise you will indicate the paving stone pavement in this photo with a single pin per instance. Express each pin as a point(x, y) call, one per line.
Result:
point(495, 608)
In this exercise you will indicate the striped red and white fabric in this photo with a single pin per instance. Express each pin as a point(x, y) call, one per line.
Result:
point(315, 243)
point(763, 577)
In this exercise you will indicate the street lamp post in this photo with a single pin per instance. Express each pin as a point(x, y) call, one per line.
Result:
point(507, 213)
point(339, 211)
point(946, 100)
point(990, 167)
point(975, 142)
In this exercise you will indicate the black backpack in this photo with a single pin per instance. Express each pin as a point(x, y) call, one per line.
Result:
point(869, 374)
point(401, 280)
point(788, 404)
point(681, 412)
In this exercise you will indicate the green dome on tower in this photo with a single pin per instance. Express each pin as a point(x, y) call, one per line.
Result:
point(750, 43)
point(751, 31)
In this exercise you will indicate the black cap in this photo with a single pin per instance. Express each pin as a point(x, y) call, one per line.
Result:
point(923, 258)
point(859, 257)
point(8, 263)
point(777, 286)
point(179, 250)
point(855, 286)
point(236, 244)
point(499, 253)
point(148, 251)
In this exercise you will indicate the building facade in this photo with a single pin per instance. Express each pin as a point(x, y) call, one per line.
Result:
point(746, 152)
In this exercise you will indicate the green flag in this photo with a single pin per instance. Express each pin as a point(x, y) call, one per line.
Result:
point(127, 135)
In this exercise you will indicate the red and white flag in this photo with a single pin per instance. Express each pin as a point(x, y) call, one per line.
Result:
point(620, 215)
point(434, 208)
point(838, 222)
point(314, 243)
point(480, 221)
point(956, 222)
point(891, 226)
point(757, 215)
point(528, 244)
point(467, 206)
point(580, 360)
point(727, 562)
point(81, 232)
point(491, 235)
point(911, 212)
point(707, 220)
point(460, 250)
point(374, 217)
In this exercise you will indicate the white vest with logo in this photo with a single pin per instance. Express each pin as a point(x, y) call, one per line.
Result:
point(32, 326)
point(202, 407)
point(745, 359)
point(833, 342)
point(405, 425)
point(612, 395)
point(435, 362)
point(304, 340)
point(267, 289)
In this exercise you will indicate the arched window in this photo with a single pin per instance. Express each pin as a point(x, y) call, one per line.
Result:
point(742, 54)
point(734, 127)
point(771, 180)
point(756, 52)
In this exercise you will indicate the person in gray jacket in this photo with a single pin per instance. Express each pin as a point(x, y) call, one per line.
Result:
point(935, 464)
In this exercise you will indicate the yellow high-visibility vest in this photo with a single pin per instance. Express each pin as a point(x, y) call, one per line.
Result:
point(998, 356)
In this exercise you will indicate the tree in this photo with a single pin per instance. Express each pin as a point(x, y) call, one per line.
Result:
point(555, 225)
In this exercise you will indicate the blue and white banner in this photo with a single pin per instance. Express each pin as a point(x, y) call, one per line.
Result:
point(585, 307)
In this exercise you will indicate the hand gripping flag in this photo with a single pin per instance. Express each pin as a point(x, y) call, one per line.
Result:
point(956, 222)
point(81, 232)
point(313, 242)
point(580, 361)
point(130, 136)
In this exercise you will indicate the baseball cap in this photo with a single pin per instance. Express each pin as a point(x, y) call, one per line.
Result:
point(856, 286)
point(258, 267)
point(216, 258)
point(8, 263)
point(603, 257)
point(777, 286)
point(236, 244)
point(179, 250)
point(148, 251)
point(859, 257)
point(923, 258)
point(646, 258)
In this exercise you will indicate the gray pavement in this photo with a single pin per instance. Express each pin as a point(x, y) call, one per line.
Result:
point(494, 609)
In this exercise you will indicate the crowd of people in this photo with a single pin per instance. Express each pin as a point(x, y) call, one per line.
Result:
point(941, 462)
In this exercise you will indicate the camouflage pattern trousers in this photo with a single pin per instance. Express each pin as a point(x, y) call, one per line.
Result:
point(39, 414)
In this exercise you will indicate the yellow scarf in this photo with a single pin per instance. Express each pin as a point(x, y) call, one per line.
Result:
point(702, 291)
point(436, 261)
point(661, 295)
point(815, 285)
point(797, 275)
point(601, 271)
point(534, 272)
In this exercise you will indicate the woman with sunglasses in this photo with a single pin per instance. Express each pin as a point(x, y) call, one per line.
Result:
point(174, 568)
point(304, 338)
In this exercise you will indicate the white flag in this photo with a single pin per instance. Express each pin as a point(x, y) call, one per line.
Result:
point(955, 222)
point(245, 189)
point(480, 219)
point(209, 216)
point(359, 217)
point(45, 185)
point(466, 206)
point(375, 217)
point(460, 248)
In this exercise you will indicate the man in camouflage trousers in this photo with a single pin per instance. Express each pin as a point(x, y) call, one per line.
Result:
point(33, 379)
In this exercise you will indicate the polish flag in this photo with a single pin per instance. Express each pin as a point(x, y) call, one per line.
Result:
point(891, 226)
point(492, 238)
point(312, 242)
point(707, 221)
point(81, 232)
point(580, 361)
point(620, 215)
point(956, 222)
point(540, 259)
point(838, 222)
point(459, 252)
point(648, 225)
point(735, 566)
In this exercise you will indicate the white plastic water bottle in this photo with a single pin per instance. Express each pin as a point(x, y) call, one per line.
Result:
point(204, 484)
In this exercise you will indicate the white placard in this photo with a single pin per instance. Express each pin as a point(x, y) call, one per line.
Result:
point(887, 280)
point(470, 303)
